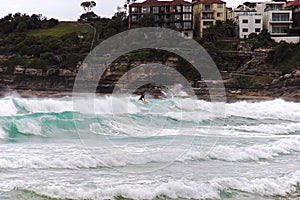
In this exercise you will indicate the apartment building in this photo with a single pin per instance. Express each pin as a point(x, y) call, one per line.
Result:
point(206, 13)
point(295, 7)
point(249, 18)
point(249, 23)
point(177, 13)
point(277, 20)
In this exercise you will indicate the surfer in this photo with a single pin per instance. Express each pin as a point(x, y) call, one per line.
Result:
point(142, 98)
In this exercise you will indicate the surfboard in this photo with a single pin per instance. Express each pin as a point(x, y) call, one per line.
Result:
point(145, 102)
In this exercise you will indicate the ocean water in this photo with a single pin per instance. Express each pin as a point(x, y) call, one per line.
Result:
point(169, 149)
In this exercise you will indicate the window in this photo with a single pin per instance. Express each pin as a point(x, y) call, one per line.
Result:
point(187, 25)
point(177, 17)
point(207, 7)
point(257, 30)
point(205, 23)
point(207, 16)
point(145, 9)
point(156, 17)
point(134, 18)
point(187, 17)
point(245, 21)
point(134, 9)
point(280, 29)
point(178, 25)
point(257, 21)
point(187, 8)
point(280, 17)
point(155, 9)
point(219, 14)
point(178, 8)
point(220, 5)
point(245, 30)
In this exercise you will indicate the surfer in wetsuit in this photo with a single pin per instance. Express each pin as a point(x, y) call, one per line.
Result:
point(142, 98)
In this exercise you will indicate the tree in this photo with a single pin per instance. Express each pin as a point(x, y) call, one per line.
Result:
point(88, 5)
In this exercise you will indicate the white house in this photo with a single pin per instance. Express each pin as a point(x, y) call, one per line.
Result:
point(277, 20)
point(250, 23)
point(249, 18)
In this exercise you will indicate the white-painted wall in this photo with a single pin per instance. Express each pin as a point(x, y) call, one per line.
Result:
point(251, 25)
point(288, 39)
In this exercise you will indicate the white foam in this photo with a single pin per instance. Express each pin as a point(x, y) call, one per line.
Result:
point(255, 152)
point(46, 105)
point(7, 107)
point(28, 126)
point(280, 128)
point(3, 134)
point(176, 189)
point(275, 109)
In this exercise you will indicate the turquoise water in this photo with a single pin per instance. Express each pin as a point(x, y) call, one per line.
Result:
point(173, 148)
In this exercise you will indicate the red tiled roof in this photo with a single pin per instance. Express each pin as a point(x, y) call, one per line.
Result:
point(160, 3)
point(211, 1)
point(293, 3)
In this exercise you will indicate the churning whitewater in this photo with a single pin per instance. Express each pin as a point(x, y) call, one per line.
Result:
point(174, 148)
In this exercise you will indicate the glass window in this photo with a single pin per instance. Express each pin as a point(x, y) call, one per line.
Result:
point(205, 23)
point(207, 16)
point(280, 17)
point(219, 14)
point(280, 29)
point(134, 18)
point(187, 25)
point(257, 30)
point(134, 9)
point(187, 17)
point(178, 8)
point(187, 8)
point(220, 5)
point(207, 7)
point(245, 30)
point(245, 21)
point(177, 17)
point(156, 17)
point(257, 21)
point(178, 25)
point(145, 9)
point(155, 9)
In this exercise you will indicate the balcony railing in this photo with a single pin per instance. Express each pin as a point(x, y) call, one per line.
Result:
point(208, 10)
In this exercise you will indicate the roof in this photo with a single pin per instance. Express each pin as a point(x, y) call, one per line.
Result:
point(293, 3)
point(161, 3)
point(210, 1)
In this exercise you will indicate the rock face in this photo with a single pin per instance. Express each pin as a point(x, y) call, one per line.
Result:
point(62, 80)
point(287, 85)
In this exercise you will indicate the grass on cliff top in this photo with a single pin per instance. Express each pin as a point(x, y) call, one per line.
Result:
point(61, 29)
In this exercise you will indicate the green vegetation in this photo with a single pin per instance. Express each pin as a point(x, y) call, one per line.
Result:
point(41, 43)
point(61, 29)
point(284, 57)
point(261, 40)
point(256, 82)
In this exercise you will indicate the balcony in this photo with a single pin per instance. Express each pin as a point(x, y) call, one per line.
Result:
point(207, 17)
point(280, 22)
point(208, 10)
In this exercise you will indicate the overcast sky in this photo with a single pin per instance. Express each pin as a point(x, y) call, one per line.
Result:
point(69, 10)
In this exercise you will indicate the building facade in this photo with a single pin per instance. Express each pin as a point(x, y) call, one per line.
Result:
point(176, 13)
point(295, 7)
point(249, 19)
point(206, 13)
point(277, 20)
point(249, 23)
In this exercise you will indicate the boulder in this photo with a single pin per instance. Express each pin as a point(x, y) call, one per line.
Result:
point(33, 72)
point(52, 72)
point(66, 72)
point(19, 70)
